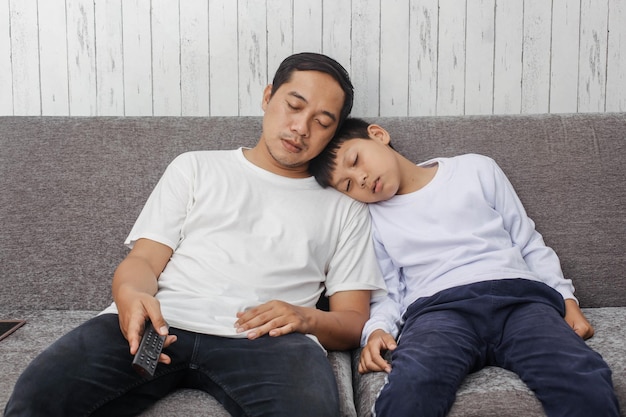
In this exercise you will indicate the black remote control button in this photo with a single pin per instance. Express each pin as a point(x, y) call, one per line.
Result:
point(147, 356)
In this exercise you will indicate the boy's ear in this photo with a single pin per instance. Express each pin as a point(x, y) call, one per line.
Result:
point(376, 132)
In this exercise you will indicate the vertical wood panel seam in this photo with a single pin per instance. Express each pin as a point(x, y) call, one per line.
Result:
point(550, 61)
point(321, 33)
point(380, 56)
point(238, 66)
point(408, 70)
point(151, 61)
point(436, 104)
point(67, 62)
point(180, 65)
point(351, 28)
point(465, 62)
point(208, 46)
point(11, 57)
point(521, 86)
point(580, 26)
point(123, 64)
point(95, 56)
point(267, 42)
point(606, 61)
point(493, 63)
point(39, 60)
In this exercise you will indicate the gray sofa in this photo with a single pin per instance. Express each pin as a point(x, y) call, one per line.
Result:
point(70, 189)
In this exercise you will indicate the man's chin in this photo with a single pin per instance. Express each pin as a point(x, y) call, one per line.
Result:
point(289, 160)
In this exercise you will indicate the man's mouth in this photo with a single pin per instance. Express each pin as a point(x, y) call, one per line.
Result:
point(292, 146)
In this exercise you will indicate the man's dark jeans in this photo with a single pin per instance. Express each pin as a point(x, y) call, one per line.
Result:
point(89, 372)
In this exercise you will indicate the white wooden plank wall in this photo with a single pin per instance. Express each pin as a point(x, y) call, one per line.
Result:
point(406, 57)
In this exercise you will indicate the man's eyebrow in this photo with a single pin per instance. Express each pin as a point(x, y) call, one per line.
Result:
point(300, 97)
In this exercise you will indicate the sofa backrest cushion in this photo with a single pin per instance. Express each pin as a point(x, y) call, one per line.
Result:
point(71, 188)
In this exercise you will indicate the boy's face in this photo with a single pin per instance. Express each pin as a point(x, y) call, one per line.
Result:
point(367, 169)
point(300, 119)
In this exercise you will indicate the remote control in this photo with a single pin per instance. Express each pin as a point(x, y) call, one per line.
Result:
point(147, 355)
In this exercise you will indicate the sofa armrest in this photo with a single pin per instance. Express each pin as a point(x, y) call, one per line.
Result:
point(341, 362)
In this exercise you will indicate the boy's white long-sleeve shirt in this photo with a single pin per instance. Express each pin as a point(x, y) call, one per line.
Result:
point(466, 226)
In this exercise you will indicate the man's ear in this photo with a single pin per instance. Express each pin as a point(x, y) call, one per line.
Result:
point(267, 93)
point(376, 132)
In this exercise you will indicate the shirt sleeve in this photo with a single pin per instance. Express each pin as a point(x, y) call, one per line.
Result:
point(164, 213)
point(541, 259)
point(353, 265)
point(385, 309)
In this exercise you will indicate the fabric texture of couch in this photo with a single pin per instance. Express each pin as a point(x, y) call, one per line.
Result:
point(71, 188)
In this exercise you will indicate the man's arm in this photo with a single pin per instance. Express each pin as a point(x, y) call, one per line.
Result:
point(337, 329)
point(134, 287)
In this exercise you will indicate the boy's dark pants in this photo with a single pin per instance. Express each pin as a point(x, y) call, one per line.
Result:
point(515, 324)
point(88, 372)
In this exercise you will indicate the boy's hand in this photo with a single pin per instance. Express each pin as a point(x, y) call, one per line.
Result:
point(371, 356)
point(577, 320)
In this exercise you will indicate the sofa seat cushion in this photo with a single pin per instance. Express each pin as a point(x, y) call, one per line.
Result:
point(495, 392)
point(43, 327)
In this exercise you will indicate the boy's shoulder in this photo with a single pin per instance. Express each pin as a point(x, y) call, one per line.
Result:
point(464, 162)
point(463, 158)
point(475, 158)
point(473, 162)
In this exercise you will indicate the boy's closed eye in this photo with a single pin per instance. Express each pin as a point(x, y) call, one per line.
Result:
point(353, 164)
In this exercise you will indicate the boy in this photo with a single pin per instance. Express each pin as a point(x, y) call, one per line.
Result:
point(471, 282)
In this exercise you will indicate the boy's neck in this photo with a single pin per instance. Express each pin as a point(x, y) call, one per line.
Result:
point(415, 177)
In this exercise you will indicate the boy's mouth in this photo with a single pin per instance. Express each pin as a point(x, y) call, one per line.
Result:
point(376, 186)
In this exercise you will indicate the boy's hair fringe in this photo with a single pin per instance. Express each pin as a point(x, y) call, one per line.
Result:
point(323, 165)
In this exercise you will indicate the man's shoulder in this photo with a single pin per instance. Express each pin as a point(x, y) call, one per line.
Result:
point(206, 154)
point(344, 199)
point(194, 159)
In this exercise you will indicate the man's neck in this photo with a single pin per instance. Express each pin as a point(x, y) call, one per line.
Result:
point(260, 157)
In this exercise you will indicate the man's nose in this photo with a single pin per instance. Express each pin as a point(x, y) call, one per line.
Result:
point(300, 125)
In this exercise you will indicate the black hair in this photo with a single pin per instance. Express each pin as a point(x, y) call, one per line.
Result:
point(310, 61)
point(323, 165)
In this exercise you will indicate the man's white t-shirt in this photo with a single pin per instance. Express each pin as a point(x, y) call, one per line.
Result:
point(243, 236)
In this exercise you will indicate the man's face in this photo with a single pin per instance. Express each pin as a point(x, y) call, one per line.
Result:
point(300, 119)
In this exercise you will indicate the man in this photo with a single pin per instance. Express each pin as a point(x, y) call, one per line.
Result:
point(228, 259)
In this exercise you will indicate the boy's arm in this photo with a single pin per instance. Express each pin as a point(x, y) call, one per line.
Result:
point(385, 309)
point(372, 359)
point(540, 258)
point(381, 330)
point(577, 320)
